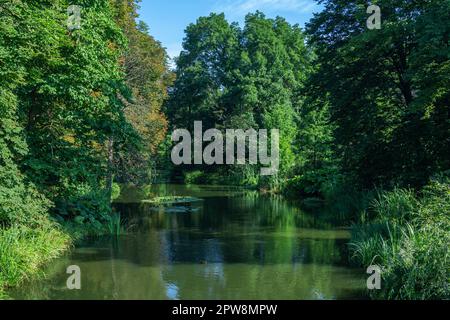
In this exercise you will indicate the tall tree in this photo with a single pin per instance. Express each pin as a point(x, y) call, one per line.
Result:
point(275, 64)
point(230, 77)
point(203, 76)
point(147, 77)
point(376, 95)
point(61, 91)
point(20, 202)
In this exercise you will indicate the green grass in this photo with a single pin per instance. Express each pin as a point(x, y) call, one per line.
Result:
point(23, 251)
point(115, 224)
point(408, 238)
point(25, 247)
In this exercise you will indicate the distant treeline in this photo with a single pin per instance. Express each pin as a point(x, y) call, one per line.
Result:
point(370, 107)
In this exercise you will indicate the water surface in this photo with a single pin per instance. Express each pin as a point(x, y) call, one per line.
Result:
point(233, 244)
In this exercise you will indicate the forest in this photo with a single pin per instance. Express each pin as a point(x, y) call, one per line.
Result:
point(363, 115)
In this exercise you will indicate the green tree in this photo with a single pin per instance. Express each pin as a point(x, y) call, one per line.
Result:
point(147, 76)
point(20, 202)
point(67, 93)
point(275, 65)
point(230, 77)
point(387, 130)
point(203, 75)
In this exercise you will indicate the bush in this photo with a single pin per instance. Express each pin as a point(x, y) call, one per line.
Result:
point(20, 203)
point(307, 184)
point(194, 177)
point(89, 210)
point(115, 194)
point(235, 176)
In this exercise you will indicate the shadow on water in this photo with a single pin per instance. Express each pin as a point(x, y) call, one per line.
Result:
point(235, 244)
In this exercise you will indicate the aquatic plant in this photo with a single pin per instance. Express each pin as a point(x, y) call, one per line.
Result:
point(116, 224)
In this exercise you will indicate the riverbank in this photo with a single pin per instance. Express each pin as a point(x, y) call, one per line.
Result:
point(23, 251)
point(407, 235)
point(404, 231)
point(237, 245)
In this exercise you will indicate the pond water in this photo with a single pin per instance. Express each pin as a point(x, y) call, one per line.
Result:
point(232, 244)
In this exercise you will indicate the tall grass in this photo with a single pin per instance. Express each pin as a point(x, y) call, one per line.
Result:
point(397, 206)
point(115, 224)
point(24, 250)
point(408, 238)
point(346, 202)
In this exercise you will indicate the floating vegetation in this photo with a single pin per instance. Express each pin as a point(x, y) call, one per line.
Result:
point(177, 209)
point(171, 200)
point(174, 204)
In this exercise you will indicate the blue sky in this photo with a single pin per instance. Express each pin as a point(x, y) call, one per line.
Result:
point(168, 19)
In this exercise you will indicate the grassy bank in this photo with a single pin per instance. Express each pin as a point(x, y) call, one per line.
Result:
point(26, 246)
point(407, 235)
point(23, 251)
point(406, 232)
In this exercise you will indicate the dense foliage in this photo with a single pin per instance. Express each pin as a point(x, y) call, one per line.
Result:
point(388, 96)
point(358, 110)
point(235, 78)
point(147, 77)
point(387, 88)
point(64, 96)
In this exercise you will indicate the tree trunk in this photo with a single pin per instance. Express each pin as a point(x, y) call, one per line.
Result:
point(110, 174)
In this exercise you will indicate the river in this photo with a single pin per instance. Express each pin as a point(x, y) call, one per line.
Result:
point(231, 244)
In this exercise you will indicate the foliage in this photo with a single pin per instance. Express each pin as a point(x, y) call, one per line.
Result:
point(115, 224)
point(20, 202)
point(147, 77)
point(229, 77)
point(24, 250)
point(357, 110)
point(115, 191)
point(89, 210)
point(309, 183)
point(63, 122)
point(193, 177)
point(409, 238)
point(391, 119)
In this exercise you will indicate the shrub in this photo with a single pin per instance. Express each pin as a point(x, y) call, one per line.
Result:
point(194, 177)
point(307, 184)
point(90, 211)
point(20, 203)
point(115, 194)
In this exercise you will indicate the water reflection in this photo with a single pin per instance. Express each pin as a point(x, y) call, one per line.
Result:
point(237, 245)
